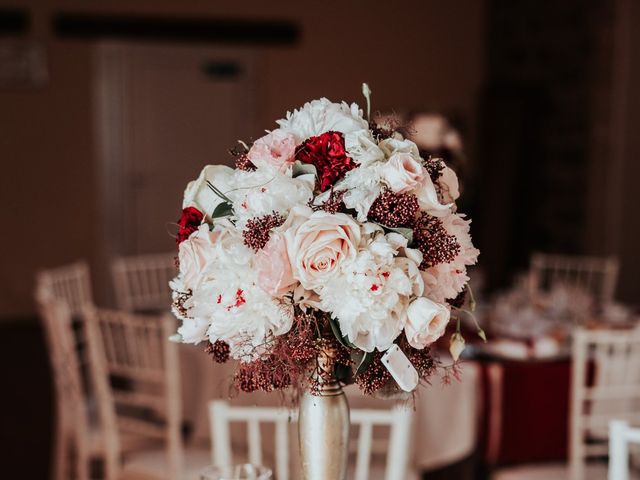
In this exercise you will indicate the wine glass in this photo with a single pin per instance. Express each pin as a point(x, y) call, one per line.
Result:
point(236, 472)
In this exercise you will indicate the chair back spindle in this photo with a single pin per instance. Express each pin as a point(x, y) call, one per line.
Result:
point(605, 387)
point(596, 276)
point(141, 282)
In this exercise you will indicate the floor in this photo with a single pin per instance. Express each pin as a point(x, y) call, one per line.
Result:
point(25, 401)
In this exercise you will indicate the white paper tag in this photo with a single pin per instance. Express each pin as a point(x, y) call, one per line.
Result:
point(400, 368)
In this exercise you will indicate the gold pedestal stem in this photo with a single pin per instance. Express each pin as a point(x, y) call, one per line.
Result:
point(324, 427)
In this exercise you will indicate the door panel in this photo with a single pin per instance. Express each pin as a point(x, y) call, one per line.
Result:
point(171, 110)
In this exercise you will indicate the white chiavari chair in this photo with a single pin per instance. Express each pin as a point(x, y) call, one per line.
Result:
point(605, 386)
point(620, 436)
point(142, 370)
point(594, 275)
point(69, 283)
point(75, 430)
point(222, 415)
point(141, 282)
point(396, 446)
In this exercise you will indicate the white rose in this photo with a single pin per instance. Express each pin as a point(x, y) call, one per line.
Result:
point(195, 254)
point(426, 322)
point(199, 195)
point(318, 243)
point(402, 173)
point(450, 188)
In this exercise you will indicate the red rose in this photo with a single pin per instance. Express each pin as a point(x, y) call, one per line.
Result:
point(189, 222)
point(326, 152)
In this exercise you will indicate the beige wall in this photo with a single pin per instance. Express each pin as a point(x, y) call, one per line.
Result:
point(420, 54)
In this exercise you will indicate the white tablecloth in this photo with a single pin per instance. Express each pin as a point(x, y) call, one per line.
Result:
point(445, 420)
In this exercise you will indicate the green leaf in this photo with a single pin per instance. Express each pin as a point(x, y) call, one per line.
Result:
point(405, 232)
point(335, 328)
point(364, 362)
point(300, 168)
point(217, 191)
point(223, 209)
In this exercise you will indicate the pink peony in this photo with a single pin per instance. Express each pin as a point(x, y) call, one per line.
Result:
point(276, 149)
point(274, 268)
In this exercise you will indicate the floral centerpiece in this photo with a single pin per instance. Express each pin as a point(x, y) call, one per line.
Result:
point(333, 252)
point(331, 233)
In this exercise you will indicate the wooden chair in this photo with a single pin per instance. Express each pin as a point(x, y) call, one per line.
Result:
point(595, 275)
point(69, 283)
point(74, 429)
point(142, 371)
point(398, 419)
point(141, 282)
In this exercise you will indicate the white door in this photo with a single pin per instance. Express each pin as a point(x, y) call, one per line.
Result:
point(163, 113)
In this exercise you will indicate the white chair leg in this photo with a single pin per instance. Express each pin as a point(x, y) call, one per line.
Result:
point(83, 461)
point(60, 454)
point(618, 451)
point(111, 466)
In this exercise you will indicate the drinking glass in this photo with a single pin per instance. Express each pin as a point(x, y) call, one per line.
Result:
point(237, 472)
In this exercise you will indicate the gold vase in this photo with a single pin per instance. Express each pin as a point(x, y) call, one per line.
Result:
point(323, 426)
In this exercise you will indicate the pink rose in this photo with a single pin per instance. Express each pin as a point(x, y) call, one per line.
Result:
point(318, 244)
point(402, 173)
point(426, 322)
point(274, 269)
point(195, 254)
point(277, 149)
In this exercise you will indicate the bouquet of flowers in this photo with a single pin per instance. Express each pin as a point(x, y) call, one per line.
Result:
point(331, 234)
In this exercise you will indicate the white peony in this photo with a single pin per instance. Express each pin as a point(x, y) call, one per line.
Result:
point(226, 302)
point(265, 191)
point(193, 330)
point(426, 322)
point(320, 116)
point(363, 185)
point(362, 147)
point(199, 195)
point(369, 297)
